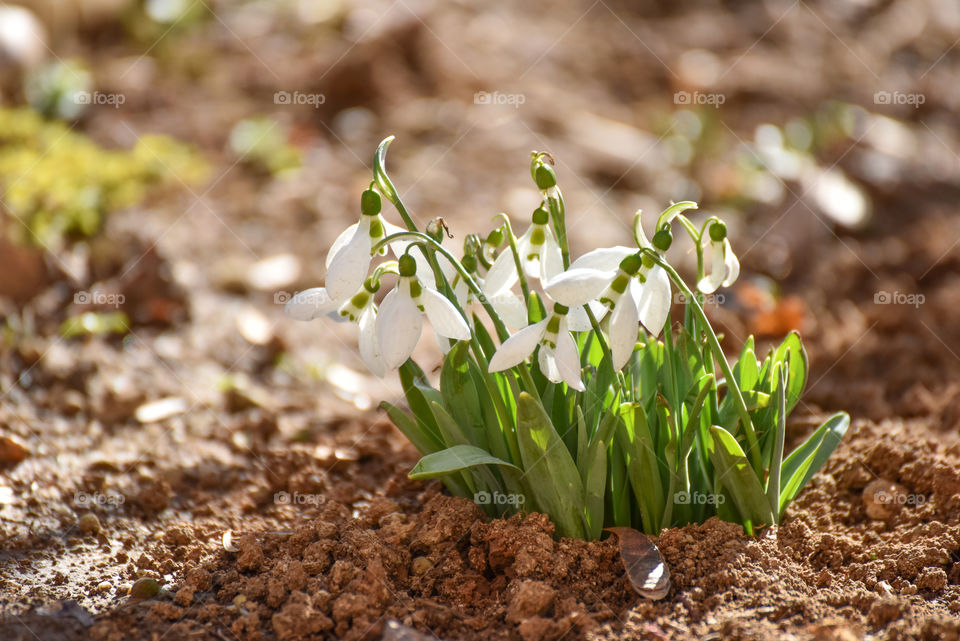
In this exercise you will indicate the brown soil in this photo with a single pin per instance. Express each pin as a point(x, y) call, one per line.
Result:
point(266, 432)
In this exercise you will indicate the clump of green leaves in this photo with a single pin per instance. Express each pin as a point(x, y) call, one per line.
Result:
point(585, 412)
point(62, 185)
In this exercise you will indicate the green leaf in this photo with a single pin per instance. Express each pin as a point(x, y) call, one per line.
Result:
point(454, 459)
point(791, 351)
point(635, 443)
point(776, 455)
point(594, 484)
point(737, 476)
point(549, 469)
point(802, 463)
point(416, 432)
point(461, 395)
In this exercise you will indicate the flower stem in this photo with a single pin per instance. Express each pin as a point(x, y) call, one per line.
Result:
point(732, 386)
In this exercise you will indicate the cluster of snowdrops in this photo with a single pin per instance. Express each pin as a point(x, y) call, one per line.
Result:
point(556, 387)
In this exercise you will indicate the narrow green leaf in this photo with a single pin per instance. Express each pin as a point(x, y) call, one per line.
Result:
point(802, 463)
point(637, 449)
point(549, 470)
point(791, 351)
point(454, 459)
point(775, 459)
point(594, 483)
point(735, 473)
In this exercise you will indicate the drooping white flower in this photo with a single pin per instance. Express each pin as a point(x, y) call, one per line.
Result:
point(558, 358)
point(634, 289)
point(359, 308)
point(349, 258)
point(400, 319)
point(724, 266)
point(539, 252)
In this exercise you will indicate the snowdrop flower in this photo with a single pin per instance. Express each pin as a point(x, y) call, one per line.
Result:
point(359, 308)
point(400, 319)
point(349, 259)
point(559, 360)
point(539, 252)
point(634, 289)
point(724, 266)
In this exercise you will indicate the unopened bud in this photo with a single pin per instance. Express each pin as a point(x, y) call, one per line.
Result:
point(370, 204)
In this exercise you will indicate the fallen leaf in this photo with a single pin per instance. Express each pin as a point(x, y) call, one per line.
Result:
point(646, 569)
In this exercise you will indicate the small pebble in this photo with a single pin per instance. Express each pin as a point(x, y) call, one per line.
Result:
point(145, 588)
point(11, 451)
point(104, 586)
point(89, 524)
point(421, 565)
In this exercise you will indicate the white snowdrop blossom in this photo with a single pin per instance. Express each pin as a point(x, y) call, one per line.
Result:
point(539, 251)
point(724, 266)
point(400, 319)
point(349, 259)
point(634, 289)
point(359, 308)
point(559, 360)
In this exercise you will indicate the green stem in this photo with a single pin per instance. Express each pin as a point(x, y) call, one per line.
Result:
point(517, 261)
point(558, 213)
point(732, 386)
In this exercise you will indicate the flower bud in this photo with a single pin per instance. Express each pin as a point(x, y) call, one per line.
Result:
point(541, 216)
point(718, 231)
point(631, 264)
point(545, 177)
point(663, 239)
point(495, 238)
point(435, 229)
point(407, 265)
point(370, 204)
point(469, 263)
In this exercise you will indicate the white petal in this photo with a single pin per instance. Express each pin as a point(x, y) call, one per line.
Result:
point(604, 258)
point(709, 283)
point(369, 347)
point(547, 360)
point(578, 286)
point(551, 258)
point(511, 309)
point(424, 271)
point(531, 266)
point(442, 342)
point(624, 323)
point(349, 267)
point(397, 246)
point(444, 317)
point(341, 240)
point(518, 347)
point(399, 324)
point(731, 263)
point(502, 274)
point(577, 319)
point(568, 360)
point(309, 304)
point(654, 300)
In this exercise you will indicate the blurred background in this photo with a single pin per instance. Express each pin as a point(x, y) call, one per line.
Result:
point(172, 170)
